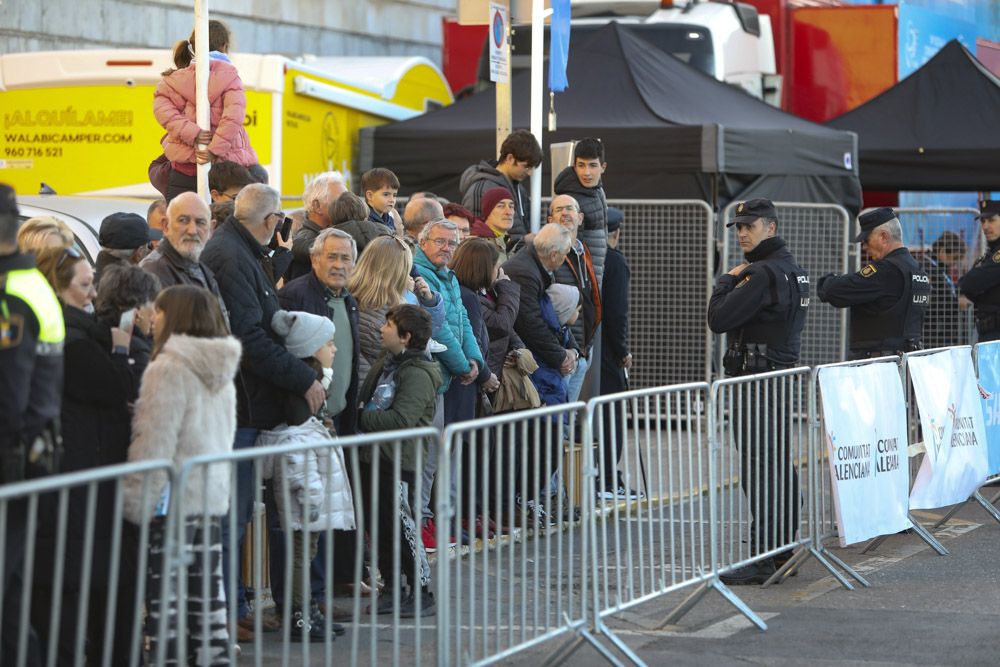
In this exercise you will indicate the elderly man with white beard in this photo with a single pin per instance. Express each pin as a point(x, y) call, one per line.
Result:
point(185, 233)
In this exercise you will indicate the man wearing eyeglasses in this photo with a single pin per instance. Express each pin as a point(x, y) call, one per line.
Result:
point(462, 360)
point(31, 371)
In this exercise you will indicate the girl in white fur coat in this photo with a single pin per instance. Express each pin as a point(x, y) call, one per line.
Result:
point(186, 408)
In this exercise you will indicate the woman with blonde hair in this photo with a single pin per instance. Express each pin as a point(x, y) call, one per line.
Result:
point(380, 281)
point(44, 231)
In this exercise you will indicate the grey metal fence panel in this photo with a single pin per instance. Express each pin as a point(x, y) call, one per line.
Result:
point(655, 537)
point(763, 464)
point(83, 570)
point(670, 247)
point(387, 518)
point(818, 237)
point(522, 578)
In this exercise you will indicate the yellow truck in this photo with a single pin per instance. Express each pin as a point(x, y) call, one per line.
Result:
point(82, 121)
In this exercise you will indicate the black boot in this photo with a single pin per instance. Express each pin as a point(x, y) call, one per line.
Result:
point(749, 575)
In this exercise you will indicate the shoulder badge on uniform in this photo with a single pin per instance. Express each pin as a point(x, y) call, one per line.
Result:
point(868, 271)
point(743, 282)
point(11, 331)
point(996, 257)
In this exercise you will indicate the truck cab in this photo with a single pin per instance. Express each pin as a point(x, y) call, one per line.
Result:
point(729, 41)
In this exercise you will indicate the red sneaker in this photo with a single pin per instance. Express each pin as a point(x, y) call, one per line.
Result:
point(427, 533)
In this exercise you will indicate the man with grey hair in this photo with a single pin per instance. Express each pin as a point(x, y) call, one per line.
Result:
point(534, 270)
point(416, 215)
point(317, 199)
point(177, 260)
point(887, 297)
point(323, 292)
point(461, 360)
point(239, 255)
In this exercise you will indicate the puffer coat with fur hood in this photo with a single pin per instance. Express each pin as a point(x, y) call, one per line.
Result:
point(186, 408)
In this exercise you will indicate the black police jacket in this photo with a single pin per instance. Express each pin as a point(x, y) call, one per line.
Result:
point(766, 304)
point(887, 299)
point(982, 286)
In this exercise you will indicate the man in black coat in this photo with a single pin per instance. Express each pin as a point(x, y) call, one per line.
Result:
point(887, 297)
point(762, 304)
point(178, 260)
point(982, 283)
point(582, 181)
point(323, 291)
point(239, 256)
point(532, 269)
point(616, 358)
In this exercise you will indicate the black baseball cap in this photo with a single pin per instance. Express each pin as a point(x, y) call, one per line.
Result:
point(748, 211)
point(872, 219)
point(988, 208)
point(126, 231)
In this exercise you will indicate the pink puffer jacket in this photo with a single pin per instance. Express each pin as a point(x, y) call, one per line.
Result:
point(173, 106)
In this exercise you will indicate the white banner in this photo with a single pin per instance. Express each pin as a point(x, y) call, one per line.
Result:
point(864, 414)
point(951, 419)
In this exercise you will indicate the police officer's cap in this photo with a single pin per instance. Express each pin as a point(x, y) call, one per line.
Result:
point(747, 212)
point(126, 231)
point(872, 219)
point(988, 208)
point(615, 218)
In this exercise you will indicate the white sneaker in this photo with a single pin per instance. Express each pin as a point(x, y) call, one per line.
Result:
point(435, 347)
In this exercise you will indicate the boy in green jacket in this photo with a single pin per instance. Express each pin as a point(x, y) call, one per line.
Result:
point(400, 392)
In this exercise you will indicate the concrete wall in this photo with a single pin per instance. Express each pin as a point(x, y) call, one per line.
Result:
point(289, 27)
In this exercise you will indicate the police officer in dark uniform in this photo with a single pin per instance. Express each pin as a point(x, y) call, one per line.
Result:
point(982, 283)
point(887, 297)
point(762, 305)
point(31, 366)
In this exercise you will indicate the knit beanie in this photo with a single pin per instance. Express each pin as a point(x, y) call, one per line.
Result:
point(564, 299)
point(304, 333)
point(491, 198)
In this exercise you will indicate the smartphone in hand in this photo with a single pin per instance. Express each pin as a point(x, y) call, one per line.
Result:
point(127, 320)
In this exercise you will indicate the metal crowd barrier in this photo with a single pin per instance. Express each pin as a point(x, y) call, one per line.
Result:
point(517, 477)
point(75, 571)
point(386, 528)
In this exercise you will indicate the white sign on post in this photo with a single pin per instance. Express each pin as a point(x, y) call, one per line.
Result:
point(498, 43)
point(955, 464)
point(864, 414)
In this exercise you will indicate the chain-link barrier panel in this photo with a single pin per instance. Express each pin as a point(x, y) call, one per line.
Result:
point(817, 236)
point(946, 242)
point(670, 247)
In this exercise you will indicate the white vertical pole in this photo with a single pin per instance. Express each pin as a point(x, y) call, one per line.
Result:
point(203, 114)
point(537, 95)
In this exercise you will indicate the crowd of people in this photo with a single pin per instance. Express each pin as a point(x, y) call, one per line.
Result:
point(204, 330)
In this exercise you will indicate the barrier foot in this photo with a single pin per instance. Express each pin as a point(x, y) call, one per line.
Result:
point(689, 602)
point(987, 505)
point(740, 605)
point(818, 555)
point(995, 499)
point(952, 512)
point(845, 567)
point(874, 544)
point(614, 639)
point(926, 536)
point(564, 652)
point(788, 567)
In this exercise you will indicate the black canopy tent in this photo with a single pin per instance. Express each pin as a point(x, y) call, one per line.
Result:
point(669, 131)
point(937, 129)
